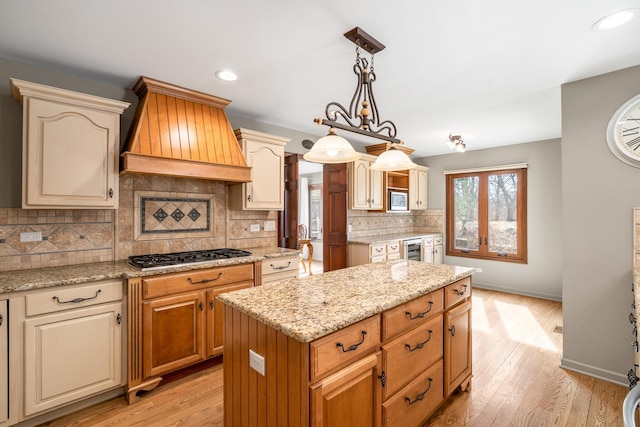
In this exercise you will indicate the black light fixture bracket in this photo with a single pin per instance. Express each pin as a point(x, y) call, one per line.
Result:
point(362, 117)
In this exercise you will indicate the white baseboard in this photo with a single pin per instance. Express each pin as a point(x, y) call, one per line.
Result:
point(524, 292)
point(594, 371)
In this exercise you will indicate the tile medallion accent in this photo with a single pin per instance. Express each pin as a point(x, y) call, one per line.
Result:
point(162, 215)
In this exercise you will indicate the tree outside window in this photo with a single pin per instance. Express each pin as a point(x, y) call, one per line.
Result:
point(486, 215)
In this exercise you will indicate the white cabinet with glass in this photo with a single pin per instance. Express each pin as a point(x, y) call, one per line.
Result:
point(366, 187)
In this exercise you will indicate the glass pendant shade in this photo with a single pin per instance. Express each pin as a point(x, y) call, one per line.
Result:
point(392, 160)
point(332, 149)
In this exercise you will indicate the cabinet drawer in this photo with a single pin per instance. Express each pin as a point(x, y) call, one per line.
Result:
point(411, 314)
point(437, 240)
point(279, 265)
point(412, 353)
point(456, 292)
point(393, 248)
point(279, 276)
point(392, 257)
point(169, 284)
point(378, 249)
point(382, 258)
point(344, 346)
point(428, 241)
point(412, 405)
point(65, 298)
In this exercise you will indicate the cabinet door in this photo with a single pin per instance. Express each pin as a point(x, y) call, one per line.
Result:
point(457, 347)
point(376, 189)
point(266, 190)
point(350, 397)
point(70, 156)
point(4, 362)
point(437, 254)
point(71, 355)
point(422, 189)
point(215, 317)
point(173, 333)
point(417, 189)
point(359, 184)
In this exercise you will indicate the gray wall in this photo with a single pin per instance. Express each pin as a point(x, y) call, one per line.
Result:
point(599, 193)
point(542, 275)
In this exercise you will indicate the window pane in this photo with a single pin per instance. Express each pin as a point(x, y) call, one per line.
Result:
point(503, 221)
point(466, 213)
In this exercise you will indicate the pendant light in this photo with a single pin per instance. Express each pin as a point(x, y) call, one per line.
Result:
point(361, 117)
point(332, 149)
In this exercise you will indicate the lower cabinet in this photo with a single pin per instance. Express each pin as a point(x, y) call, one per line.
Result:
point(350, 397)
point(4, 361)
point(66, 346)
point(176, 321)
point(457, 344)
point(280, 268)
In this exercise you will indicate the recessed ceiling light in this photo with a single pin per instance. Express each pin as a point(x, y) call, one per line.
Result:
point(226, 75)
point(615, 19)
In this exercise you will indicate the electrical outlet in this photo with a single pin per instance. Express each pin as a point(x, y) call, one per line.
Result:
point(255, 227)
point(349, 228)
point(478, 270)
point(256, 362)
point(32, 236)
point(269, 225)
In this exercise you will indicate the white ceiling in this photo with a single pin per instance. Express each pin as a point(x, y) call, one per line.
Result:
point(489, 70)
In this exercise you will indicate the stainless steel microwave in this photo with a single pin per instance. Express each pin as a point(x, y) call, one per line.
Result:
point(398, 201)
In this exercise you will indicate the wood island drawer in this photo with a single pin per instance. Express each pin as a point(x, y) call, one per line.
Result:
point(412, 405)
point(175, 283)
point(65, 298)
point(378, 249)
point(411, 314)
point(344, 346)
point(412, 353)
point(456, 292)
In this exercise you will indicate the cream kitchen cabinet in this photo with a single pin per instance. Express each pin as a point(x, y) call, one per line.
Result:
point(66, 346)
point(359, 253)
point(366, 187)
point(71, 147)
point(280, 268)
point(4, 362)
point(264, 153)
point(432, 249)
point(418, 188)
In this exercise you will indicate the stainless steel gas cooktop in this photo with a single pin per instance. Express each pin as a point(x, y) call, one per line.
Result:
point(148, 262)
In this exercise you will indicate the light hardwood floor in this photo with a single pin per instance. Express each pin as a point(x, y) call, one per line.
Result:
point(516, 382)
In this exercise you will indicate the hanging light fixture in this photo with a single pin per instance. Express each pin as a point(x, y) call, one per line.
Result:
point(362, 116)
point(456, 142)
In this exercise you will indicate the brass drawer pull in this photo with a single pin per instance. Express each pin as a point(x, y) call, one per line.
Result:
point(77, 300)
point(420, 396)
point(421, 314)
point(460, 293)
point(281, 267)
point(419, 345)
point(353, 346)
point(204, 280)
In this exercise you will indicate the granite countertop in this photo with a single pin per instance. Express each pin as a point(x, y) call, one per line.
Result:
point(312, 307)
point(37, 278)
point(368, 240)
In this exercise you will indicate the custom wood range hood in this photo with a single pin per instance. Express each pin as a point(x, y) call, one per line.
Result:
point(184, 133)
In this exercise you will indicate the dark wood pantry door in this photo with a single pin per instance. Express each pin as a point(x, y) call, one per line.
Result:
point(334, 181)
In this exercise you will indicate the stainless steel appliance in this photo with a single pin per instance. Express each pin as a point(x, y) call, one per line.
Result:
point(412, 249)
point(155, 261)
point(398, 201)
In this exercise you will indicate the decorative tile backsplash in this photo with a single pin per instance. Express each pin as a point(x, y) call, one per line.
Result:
point(180, 215)
point(365, 223)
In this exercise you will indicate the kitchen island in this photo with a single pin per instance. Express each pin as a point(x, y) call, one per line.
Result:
point(376, 344)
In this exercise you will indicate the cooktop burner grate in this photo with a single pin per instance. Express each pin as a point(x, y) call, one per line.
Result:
point(146, 262)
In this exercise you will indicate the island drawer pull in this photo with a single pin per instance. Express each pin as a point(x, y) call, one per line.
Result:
point(419, 345)
point(204, 280)
point(281, 267)
point(421, 314)
point(77, 300)
point(460, 293)
point(353, 346)
point(420, 396)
